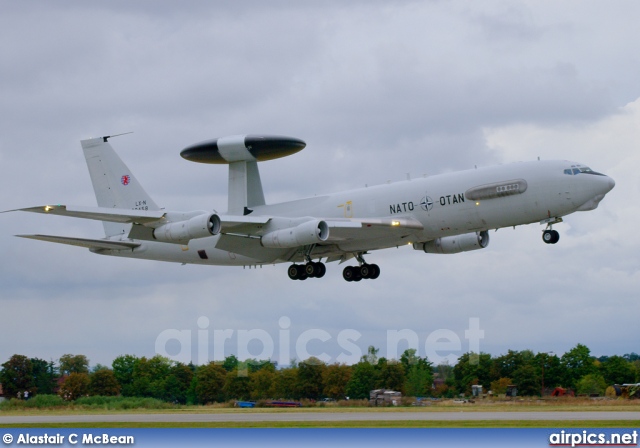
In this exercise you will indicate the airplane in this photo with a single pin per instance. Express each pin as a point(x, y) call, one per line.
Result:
point(439, 214)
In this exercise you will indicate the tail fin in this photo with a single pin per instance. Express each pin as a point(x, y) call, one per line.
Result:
point(113, 183)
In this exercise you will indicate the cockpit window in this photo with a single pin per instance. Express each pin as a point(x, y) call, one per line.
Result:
point(587, 170)
point(577, 169)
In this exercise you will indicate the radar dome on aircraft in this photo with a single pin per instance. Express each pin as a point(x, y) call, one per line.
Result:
point(237, 148)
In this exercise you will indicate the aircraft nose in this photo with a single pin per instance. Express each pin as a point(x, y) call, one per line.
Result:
point(610, 184)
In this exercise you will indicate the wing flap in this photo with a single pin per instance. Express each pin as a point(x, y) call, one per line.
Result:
point(124, 216)
point(84, 242)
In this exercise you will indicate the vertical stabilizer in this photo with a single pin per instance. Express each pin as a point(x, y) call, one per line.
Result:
point(114, 184)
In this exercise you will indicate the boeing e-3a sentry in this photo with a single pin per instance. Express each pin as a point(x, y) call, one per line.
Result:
point(439, 214)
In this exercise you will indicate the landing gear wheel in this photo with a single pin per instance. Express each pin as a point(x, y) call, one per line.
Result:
point(297, 272)
point(348, 274)
point(322, 269)
point(550, 236)
point(375, 271)
point(366, 271)
point(310, 269)
point(315, 269)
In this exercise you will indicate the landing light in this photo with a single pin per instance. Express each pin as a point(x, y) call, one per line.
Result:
point(395, 223)
point(47, 208)
point(477, 203)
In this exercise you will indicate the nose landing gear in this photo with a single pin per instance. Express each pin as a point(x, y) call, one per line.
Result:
point(550, 236)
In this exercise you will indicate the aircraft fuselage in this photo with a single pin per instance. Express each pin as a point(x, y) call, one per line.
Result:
point(444, 204)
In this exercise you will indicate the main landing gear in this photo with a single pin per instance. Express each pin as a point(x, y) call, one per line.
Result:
point(304, 271)
point(364, 270)
point(357, 273)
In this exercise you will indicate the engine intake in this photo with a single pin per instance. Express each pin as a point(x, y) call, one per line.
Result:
point(200, 226)
point(455, 244)
point(310, 232)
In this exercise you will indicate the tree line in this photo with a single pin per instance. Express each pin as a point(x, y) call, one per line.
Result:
point(232, 379)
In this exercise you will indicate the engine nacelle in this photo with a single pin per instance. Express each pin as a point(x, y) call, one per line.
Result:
point(310, 232)
point(200, 226)
point(455, 244)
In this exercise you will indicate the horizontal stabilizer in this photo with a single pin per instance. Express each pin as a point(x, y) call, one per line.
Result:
point(84, 242)
point(124, 216)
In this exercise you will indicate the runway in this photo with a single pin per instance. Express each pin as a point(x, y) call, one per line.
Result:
point(321, 417)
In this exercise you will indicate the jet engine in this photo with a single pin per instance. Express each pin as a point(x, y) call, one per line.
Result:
point(455, 244)
point(200, 226)
point(310, 232)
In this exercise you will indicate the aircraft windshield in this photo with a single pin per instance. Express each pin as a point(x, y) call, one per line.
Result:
point(577, 169)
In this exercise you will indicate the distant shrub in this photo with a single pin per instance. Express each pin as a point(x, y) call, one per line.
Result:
point(39, 401)
point(121, 403)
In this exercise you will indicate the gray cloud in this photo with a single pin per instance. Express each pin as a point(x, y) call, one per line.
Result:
point(377, 90)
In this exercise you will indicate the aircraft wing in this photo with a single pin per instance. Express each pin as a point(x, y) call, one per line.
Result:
point(242, 224)
point(98, 213)
point(371, 228)
point(84, 242)
point(340, 229)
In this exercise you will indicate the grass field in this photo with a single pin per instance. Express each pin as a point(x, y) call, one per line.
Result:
point(515, 407)
point(350, 424)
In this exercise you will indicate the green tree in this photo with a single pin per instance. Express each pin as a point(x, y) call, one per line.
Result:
point(334, 381)
point(444, 371)
point(123, 367)
point(310, 378)
point(577, 363)
point(230, 363)
point(177, 384)
point(527, 380)
point(372, 356)
point(472, 368)
point(499, 386)
point(17, 376)
point(236, 386)
point(617, 370)
point(362, 381)
point(150, 375)
point(209, 382)
point(591, 384)
point(74, 386)
point(73, 364)
point(505, 365)
point(419, 380)
point(550, 370)
point(409, 358)
point(391, 375)
point(103, 382)
point(262, 383)
point(44, 376)
point(286, 383)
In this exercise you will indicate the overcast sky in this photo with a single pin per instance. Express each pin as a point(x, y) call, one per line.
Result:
point(377, 90)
